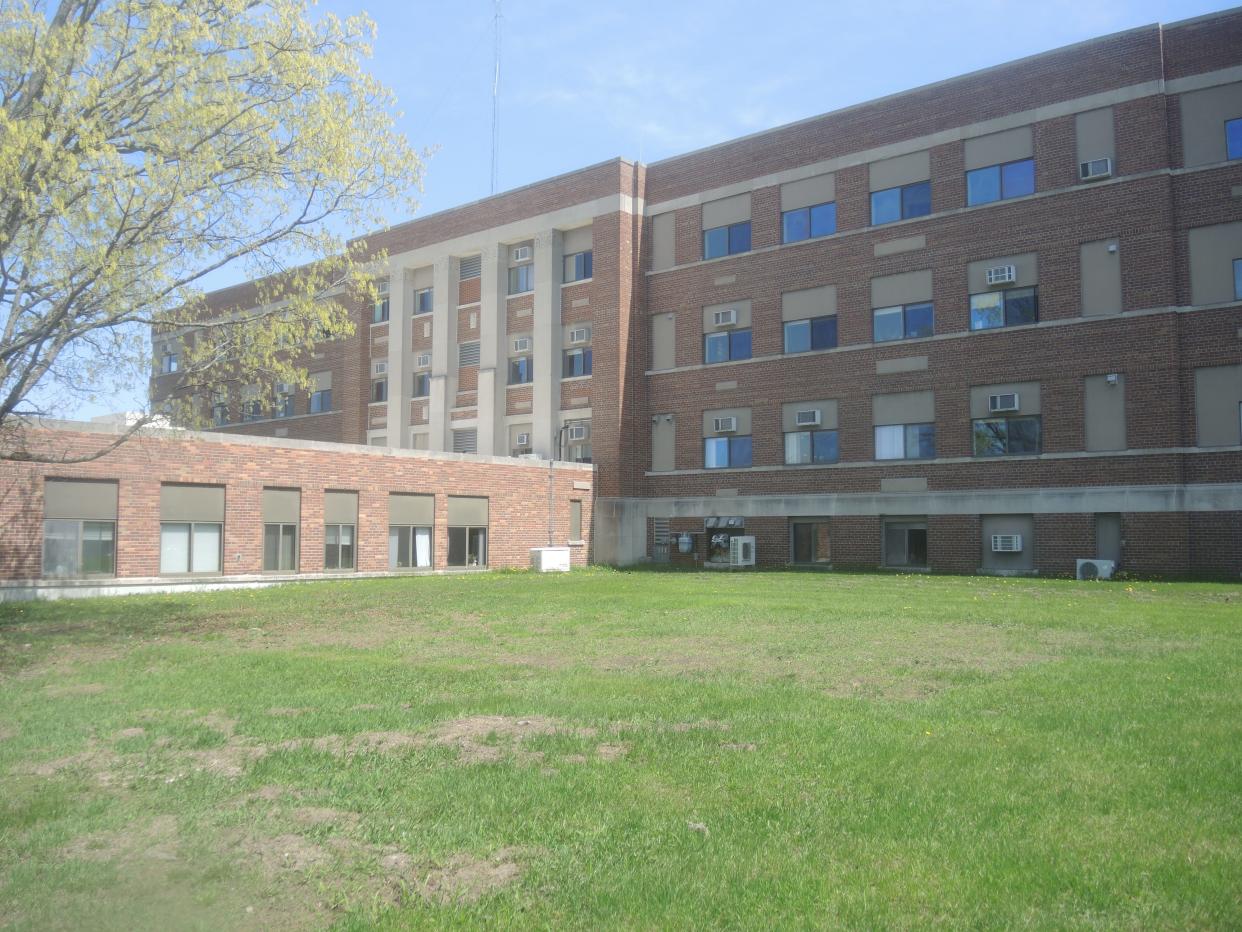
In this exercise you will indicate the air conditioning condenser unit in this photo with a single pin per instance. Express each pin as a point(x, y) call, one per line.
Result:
point(1096, 569)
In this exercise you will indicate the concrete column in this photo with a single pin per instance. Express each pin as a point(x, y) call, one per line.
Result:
point(493, 359)
point(443, 350)
point(400, 389)
point(546, 342)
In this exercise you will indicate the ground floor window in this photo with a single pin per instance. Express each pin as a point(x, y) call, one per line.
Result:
point(338, 546)
point(79, 548)
point(811, 542)
point(409, 547)
point(905, 543)
point(190, 547)
point(280, 548)
point(467, 546)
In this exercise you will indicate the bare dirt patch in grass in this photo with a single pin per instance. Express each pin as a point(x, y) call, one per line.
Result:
point(466, 879)
point(154, 840)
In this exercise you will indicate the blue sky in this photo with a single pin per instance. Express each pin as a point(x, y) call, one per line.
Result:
point(585, 82)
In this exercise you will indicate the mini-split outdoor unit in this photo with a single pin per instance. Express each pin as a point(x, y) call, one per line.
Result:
point(579, 335)
point(725, 318)
point(1006, 543)
point(422, 360)
point(724, 425)
point(1095, 169)
point(742, 551)
point(1002, 275)
point(807, 418)
point(521, 345)
point(1096, 569)
point(521, 254)
point(1005, 401)
point(578, 432)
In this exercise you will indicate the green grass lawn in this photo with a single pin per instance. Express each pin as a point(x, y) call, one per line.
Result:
point(643, 750)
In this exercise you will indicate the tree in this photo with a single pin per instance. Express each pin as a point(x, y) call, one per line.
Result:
point(144, 145)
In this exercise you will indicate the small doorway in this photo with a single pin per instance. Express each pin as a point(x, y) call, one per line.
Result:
point(905, 543)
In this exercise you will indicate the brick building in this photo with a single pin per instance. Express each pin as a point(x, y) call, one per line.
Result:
point(989, 324)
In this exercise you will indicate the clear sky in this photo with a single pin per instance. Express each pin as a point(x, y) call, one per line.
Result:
point(647, 79)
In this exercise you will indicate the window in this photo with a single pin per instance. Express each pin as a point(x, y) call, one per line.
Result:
point(321, 401)
point(219, 413)
point(891, 204)
point(468, 354)
point(422, 384)
point(811, 543)
point(575, 362)
point(1237, 279)
point(578, 266)
point(423, 301)
point(726, 240)
point(520, 370)
point(725, 345)
point(905, 543)
point(338, 546)
point(904, 322)
point(810, 446)
point(521, 279)
point(79, 548)
point(575, 519)
point(1233, 139)
point(905, 442)
point(280, 548)
point(379, 390)
point(816, 333)
point(252, 410)
point(190, 547)
point(1010, 308)
point(466, 441)
point(169, 363)
point(467, 546)
point(409, 547)
point(808, 222)
point(1000, 182)
point(726, 452)
point(1006, 436)
point(284, 405)
point(379, 313)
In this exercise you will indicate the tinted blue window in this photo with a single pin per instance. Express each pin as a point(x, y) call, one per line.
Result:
point(823, 333)
point(715, 243)
point(797, 336)
point(920, 441)
point(739, 344)
point(885, 206)
point(1020, 307)
point(983, 185)
point(739, 451)
point(715, 452)
point(739, 237)
point(919, 320)
point(1233, 139)
point(1237, 279)
point(916, 200)
point(823, 219)
point(716, 347)
point(1018, 178)
point(824, 446)
point(795, 225)
point(887, 324)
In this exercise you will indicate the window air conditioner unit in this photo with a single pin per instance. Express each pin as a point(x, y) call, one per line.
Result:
point(725, 318)
point(1006, 401)
point(521, 254)
point(1002, 275)
point(742, 551)
point(579, 335)
point(1096, 569)
point(807, 418)
point(422, 360)
point(284, 388)
point(379, 368)
point(1006, 543)
point(578, 432)
point(523, 440)
point(521, 345)
point(724, 425)
point(1095, 169)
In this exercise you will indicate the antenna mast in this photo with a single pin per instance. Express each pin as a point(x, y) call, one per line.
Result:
point(496, 102)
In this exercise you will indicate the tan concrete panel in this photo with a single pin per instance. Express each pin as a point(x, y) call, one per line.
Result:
point(1009, 146)
point(192, 503)
point(901, 364)
point(827, 408)
point(419, 510)
point(1026, 266)
point(743, 316)
point(664, 341)
point(282, 506)
point(809, 302)
point(1028, 398)
point(1203, 122)
point(903, 408)
point(466, 511)
point(1212, 251)
point(904, 244)
point(1093, 135)
point(65, 498)
point(903, 169)
point(1100, 268)
point(320, 381)
point(742, 415)
point(1218, 394)
point(515, 429)
point(423, 278)
point(1008, 524)
point(906, 288)
point(726, 210)
point(573, 241)
point(1104, 413)
point(821, 189)
point(340, 507)
point(664, 241)
point(663, 443)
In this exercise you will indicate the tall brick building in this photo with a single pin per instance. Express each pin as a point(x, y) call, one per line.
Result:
point(990, 324)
